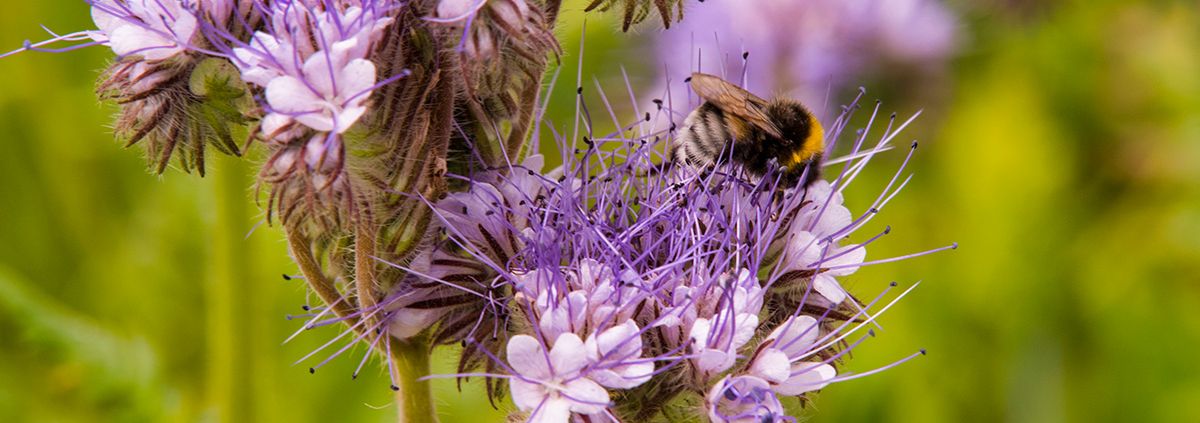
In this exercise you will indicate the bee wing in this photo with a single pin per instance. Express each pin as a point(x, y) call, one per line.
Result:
point(733, 99)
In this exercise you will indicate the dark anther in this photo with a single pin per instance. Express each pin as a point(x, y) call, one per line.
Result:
point(745, 55)
point(887, 230)
point(287, 277)
point(395, 388)
point(923, 352)
point(579, 90)
point(687, 80)
point(914, 144)
point(312, 370)
point(305, 307)
point(893, 284)
point(647, 116)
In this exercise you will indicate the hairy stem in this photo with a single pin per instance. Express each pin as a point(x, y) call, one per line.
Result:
point(320, 284)
point(364, 260)
point(414, 397)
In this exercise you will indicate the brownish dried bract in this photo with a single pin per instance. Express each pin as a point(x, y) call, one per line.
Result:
point(734, 100)
point(636, 11)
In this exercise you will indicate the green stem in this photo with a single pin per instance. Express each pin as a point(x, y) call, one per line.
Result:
point(230, 332)
point(414, 397)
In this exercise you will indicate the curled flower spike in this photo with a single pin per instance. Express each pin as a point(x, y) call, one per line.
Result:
point(312, 61)
point(172, 98)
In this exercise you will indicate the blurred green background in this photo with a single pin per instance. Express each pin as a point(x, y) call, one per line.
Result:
point(1063, 155)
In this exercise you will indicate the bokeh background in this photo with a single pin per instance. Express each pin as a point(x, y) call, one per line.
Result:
point(1060, 148)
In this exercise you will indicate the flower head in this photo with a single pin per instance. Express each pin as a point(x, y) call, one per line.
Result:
point(665, 284)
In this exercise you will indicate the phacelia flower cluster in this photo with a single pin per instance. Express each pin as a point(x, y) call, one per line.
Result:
point(606, 289)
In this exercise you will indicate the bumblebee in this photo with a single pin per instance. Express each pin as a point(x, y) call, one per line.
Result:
point(736, 126)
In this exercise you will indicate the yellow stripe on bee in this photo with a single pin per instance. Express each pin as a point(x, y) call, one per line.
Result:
point(738, 128)
point(813, 145)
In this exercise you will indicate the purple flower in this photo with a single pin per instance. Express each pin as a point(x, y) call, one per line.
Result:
point(662, 282)
point(153, 29)
point(802, 48)
point(779, 361)
point(312, 59)
point(744, 399)
point(552, 386)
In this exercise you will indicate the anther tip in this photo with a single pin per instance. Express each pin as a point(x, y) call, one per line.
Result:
point(312, 370)
point(914, 144)
point(395, 388)
point(871, 332)
point(894, 284)
point(954, 246)
point(287, 277)
point(579, 90)
point(887, 230)
point(923, 352)
point(687, 80)
point(745, 55)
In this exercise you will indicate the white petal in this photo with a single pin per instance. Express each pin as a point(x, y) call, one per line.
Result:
point(772, 365)
point(355, 79)
point(103, 17)
point(625, 337)
point(290, 95)
point(847, 256)
point(633, 375)
point(555, 410)
point(813, 376)
point(796, 335)
point(587, 397)
point(526, 395)
point(133, 39)
point(714, 361)
point(345, 119)
point(527, 358)
point(746, 326)
point(568, 355)
point(829, 288)
point(801, 251)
